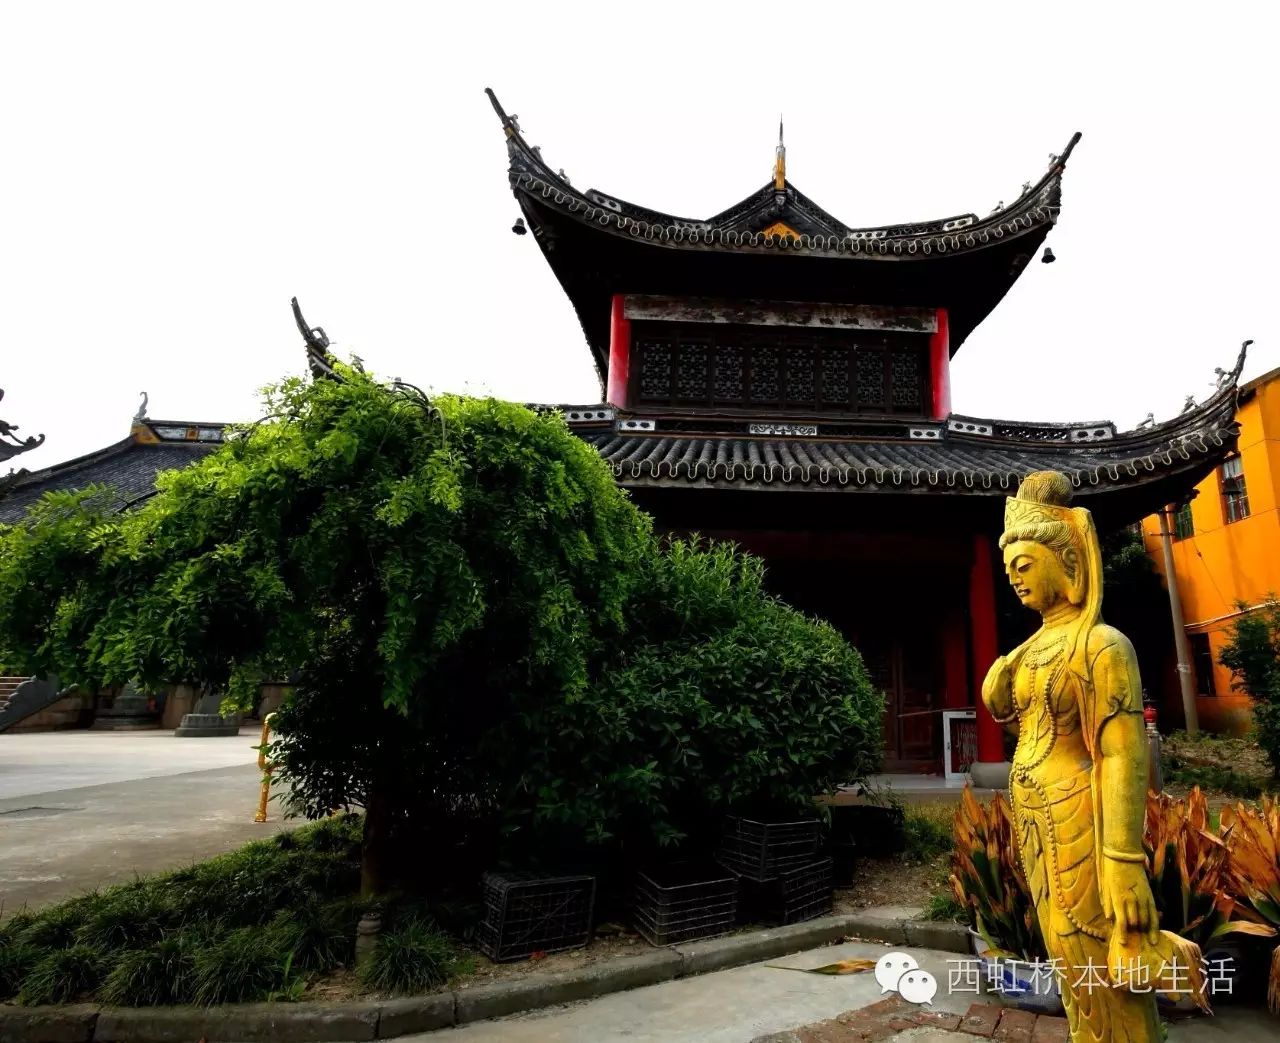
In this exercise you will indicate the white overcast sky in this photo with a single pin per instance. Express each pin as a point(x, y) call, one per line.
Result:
point(173, 173)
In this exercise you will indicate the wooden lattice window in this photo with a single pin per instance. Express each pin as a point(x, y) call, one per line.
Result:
point(691, 366)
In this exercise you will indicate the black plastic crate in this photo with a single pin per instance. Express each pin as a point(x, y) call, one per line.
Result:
point(805, 892)
point(762, 850)
point(527, 913)
point(796, 895)
point(684, 901)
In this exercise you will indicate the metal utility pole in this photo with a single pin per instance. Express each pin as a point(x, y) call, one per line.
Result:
point(1185, 677)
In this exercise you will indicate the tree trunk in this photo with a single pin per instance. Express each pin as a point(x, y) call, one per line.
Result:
point(375, 851)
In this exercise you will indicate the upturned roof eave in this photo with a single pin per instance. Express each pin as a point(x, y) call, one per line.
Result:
point(530, 175)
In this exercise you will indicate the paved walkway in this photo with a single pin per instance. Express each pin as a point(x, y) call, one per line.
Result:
point(45, 762)
point(85, 809)
point(759, 1000)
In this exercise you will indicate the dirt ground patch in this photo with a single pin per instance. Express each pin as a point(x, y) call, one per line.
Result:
point(887, 881)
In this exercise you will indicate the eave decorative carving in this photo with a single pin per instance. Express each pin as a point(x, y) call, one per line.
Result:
point(10, 444)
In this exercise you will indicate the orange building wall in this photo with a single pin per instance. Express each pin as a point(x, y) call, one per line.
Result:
point(1223, 564)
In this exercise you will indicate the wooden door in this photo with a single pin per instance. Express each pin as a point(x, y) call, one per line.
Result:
point(906, 670)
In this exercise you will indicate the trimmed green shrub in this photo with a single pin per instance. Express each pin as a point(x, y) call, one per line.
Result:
point(63, 975)
point(724, 699)
point(411, 957)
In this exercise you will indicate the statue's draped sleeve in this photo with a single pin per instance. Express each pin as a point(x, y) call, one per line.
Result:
point(1106, 670)
point(1110, 685)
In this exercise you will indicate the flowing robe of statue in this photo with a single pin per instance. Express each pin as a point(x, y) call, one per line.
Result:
point(1079, 776)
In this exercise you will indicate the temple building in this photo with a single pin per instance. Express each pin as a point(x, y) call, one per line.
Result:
point(774, 377)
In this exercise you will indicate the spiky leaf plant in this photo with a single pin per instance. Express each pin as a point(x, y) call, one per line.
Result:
point(987, 878)
point(1252, 838)
point(1188, 866)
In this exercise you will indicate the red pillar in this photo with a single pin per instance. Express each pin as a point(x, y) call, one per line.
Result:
point(619, 354)
point(982, 631)
point(955, 661)
point(940, 367)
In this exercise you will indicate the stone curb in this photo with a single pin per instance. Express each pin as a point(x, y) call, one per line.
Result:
point(369, 1020)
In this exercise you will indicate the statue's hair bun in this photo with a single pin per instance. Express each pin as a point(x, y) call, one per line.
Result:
point(1051, 487)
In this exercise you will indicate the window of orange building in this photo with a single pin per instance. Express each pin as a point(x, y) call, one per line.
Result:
point(1235, 498)
point(1182, 525)
point(1202, 657)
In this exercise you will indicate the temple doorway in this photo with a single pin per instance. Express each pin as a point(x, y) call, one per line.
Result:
point(902, 647)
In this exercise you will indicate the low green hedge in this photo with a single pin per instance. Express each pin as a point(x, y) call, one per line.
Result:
point(253, 924)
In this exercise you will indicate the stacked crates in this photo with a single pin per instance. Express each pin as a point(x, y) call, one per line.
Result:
point(786, 878)
point(685, 901)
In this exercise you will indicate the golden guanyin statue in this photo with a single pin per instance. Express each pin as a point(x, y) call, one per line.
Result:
point(1079, 777)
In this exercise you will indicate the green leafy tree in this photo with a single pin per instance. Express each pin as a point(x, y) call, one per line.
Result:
point(1252, 654)
point(485, 641)
point(434, 564)
point(1135, 601)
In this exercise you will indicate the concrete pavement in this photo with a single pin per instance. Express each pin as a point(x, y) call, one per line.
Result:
point(743, 1003)
point(731, 1006)
point(46, 762)
point(87, 809)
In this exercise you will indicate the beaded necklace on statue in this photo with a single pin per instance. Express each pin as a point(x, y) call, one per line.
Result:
point(1044, 655)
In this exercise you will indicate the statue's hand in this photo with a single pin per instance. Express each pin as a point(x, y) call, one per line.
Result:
point(1126, 897)
point(997, 689)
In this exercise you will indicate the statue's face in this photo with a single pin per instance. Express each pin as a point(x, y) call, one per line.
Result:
point(1036, 574)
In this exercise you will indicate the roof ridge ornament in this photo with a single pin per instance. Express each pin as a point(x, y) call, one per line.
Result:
point(780, 162)
point(141, 414)
point(10, 444)
point(317, 342)
point(510, 124)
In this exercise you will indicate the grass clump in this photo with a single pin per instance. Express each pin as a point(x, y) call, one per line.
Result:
point(17, 960)
point(131, 916)
point(1213, 777)
point(64, 975)
point(55, 928)
point(163, 972)
point(247, 963)
point(928, 830)
point(318, 937)
point(254, 924)
point(943, 907)
point(411, 957)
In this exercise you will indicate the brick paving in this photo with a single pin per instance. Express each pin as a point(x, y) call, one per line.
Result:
point(894, 1016)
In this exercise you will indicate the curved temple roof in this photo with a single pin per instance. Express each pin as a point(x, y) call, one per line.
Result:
point(1143, 468)
point(598, 244)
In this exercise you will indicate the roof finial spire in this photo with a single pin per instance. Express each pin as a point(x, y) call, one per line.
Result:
point(780, 162)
